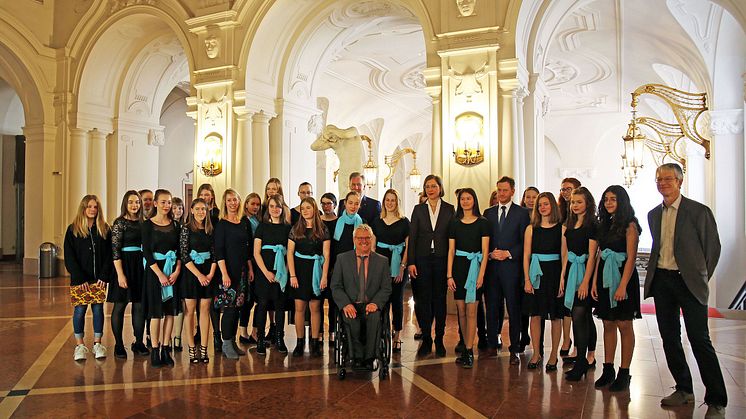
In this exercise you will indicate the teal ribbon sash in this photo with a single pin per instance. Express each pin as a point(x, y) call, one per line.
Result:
point(612, 277)
point(475, 258)
point(167, 292)
point(281, 269)
point(318, 270)
point(396, 255)
point(534, 268)
point(199, 257)
point(254, 224)
point(132, 249)
point(343, 220)
point(574, 277)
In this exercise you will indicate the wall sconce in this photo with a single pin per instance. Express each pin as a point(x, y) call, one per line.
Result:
point(210, 152)
point(468, 149)
point(370, 168)
point(392, 161)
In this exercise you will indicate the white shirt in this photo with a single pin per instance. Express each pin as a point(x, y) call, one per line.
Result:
point(666, 258)
point(433, 218)
point(500, 209)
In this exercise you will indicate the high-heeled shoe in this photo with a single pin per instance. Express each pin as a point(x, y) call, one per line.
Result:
point(534, 365)
point(566, 352)
point(177, 347)
point(203, 354)
point(193, 356)
point(396, 347)
point(622, 381)
point(551, 367)
point(607, 377)
point(578, 371)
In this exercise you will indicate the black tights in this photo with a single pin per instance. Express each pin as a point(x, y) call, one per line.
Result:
point(214, 319)
point(584, 330)
point(229, 323)
point(117, 322)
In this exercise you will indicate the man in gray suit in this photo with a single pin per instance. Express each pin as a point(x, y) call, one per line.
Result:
point(361, 286)
point(686, 249)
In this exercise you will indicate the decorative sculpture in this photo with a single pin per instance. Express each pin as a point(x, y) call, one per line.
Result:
point(212, 47)
point(466, 7)
point(346, 143)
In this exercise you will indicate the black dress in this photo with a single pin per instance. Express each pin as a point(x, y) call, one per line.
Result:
point(304, 267)
point(159, 239)
point(200, 242)
point(232, 245)
point(628, 309)
point(345, 243)
point(127, 233)
point(544, 301)
point(393, 234)
point(577, 242)
point(270, 234)
point(468, 238)
point(330, 225)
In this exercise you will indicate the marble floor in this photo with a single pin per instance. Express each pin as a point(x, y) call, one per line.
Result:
point(40, 379)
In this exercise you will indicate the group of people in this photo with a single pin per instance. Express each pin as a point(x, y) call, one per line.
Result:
point(559, 259)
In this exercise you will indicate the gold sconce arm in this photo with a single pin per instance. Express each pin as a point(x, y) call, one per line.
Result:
point(393, 160)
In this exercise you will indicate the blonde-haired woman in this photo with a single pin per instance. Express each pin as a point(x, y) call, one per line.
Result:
point(88, 260)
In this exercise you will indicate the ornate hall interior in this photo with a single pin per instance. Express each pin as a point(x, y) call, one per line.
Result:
point(105, 96)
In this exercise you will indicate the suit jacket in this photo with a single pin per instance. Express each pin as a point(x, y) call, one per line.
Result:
point(370, 209)
point(696, 246)
point(421, 232)
point(509, 237)
point(345, 284)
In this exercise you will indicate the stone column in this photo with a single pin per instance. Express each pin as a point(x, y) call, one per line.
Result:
point(244, 176)
point(437, 142)
point(536, 108)
point(97, 164)
point(77, 166)
point(260, 150)
point(519, 154)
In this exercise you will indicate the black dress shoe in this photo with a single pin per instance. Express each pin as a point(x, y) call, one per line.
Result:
point(119, 352)
point(426, 347)
point(460, 347)
point(482, 344)
point(440, 349)
point(250, 341)
point(139, 348)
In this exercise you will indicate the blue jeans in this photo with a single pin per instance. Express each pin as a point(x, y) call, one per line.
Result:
point(79, 320)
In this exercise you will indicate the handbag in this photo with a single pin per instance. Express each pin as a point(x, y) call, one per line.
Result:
point(230, 297)
point(95, 295)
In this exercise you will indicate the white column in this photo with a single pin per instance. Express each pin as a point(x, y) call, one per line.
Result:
point(97, 164)
point(77, 168)
point(260, 150)
point(519, 156)
point(437, 142)
point(536, 107)
point(695, 172)
point(243, 179)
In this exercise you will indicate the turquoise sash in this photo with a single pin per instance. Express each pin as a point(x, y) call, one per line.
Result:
point(132, 249)
point(254, 224)
point(318, 270)
point(534, 268)
point(281, 270)
point(199, 257)
point(612, 277)
point(475, 258)
point(574, 277)
point(396, 255)
point(167, 291)
point(343, 220)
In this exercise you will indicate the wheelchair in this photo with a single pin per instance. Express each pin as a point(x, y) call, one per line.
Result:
point(343, 342)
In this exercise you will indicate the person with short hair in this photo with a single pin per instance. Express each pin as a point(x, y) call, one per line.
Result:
point(370, 209)
point(305, 190)
point(328, 203)
point(685, 252)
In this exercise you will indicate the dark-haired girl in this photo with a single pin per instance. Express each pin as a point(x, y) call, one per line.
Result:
point(468, 245)
point(328, 203)
point(616, 285)
point(126, 246)
point(197, 255)
point(251, 210)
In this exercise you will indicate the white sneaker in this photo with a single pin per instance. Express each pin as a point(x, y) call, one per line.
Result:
point(99, 351)
point(80, 352)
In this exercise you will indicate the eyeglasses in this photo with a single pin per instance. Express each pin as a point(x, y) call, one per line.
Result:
point(364, 238)
point(327, 203)
point(566, 190)
point(667, 179)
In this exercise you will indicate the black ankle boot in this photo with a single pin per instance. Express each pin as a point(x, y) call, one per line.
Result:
point(607, 377)
point(622, 380)
point(316, 347)
point(469, 358)
point(217, 340)
point(280, 342)
point(578, 370)
point(155, 358)
point(269, 337)
point(166, 356)
point(261, 347)
point(300, 347)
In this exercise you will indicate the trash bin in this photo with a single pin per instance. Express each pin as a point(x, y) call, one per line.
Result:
point(47, 260)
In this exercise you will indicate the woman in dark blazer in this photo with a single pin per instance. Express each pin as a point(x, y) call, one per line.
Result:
point(427, 257)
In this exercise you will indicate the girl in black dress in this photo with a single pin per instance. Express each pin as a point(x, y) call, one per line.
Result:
point(232, 251)
point(160, 246)
point(392, 236)
point(541, 268)
point(579, 249)
point(346, 224)
point(616, 285)
point(563, 202)
point(308, 265)
point(180, 216)
point(270, 250)
point(197, 255)
point(251, 208)
point(468, 245)
point(88, 260)
point(329, 218)
point(126, 246)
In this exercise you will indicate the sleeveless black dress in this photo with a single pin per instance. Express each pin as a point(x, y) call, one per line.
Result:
point(304, 267)
point(468, 238)
point(159, 239)
point(577, 242)
point(627, 309)
point(198, 241)
point(544, 301)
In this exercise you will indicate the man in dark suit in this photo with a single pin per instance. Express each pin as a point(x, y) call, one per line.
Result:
point(686, 249)
point(370, 209)
point(361, 286)
point(504, 281)
point(427, 256)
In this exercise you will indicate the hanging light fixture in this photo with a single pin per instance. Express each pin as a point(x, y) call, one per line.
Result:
point(210, 153)
point(392, 161)
point(370, 168)
point(634, 144)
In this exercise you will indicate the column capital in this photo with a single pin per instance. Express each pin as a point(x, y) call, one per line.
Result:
point(725, 121)
point(261, 117)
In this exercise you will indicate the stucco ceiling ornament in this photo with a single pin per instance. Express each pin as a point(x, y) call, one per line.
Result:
point(156, 137)
point(414, 79)
point(212, 46)
point(117, 5)
point(468, 82)
point(214, 111)
point(316, 124)
point(466, 7)
point(559, 72)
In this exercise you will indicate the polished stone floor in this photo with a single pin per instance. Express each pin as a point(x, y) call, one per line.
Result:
point(40, 379)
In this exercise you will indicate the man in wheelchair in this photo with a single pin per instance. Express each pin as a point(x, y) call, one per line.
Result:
point(361, 286)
